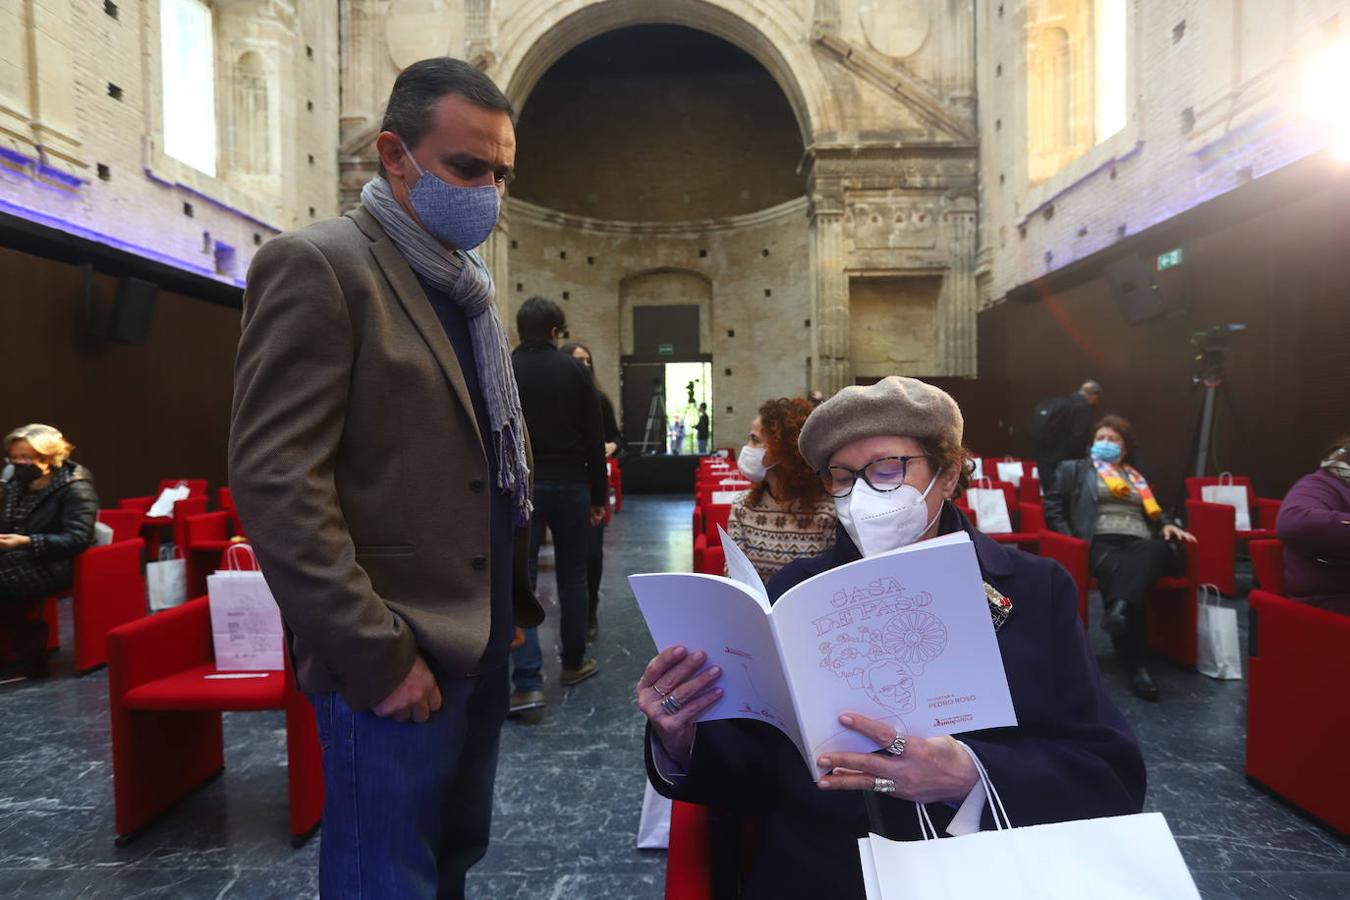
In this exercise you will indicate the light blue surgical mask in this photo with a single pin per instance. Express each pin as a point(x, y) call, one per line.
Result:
point(460, 217)
point(1106, 451)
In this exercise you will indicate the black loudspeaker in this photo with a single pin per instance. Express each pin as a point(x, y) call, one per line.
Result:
point(1139, 296)
point(132, 310)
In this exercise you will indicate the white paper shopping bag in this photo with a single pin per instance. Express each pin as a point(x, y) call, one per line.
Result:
point(1130, 857)
point(991, 509)
point(163, 506)
point(1229, 494)
point(654, 826)
point(166, 580)
point(1218, 648)
point(245, 621)
point(1010, 471)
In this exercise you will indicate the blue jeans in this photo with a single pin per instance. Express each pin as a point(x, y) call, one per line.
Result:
point(407, 807)
point(566, 509)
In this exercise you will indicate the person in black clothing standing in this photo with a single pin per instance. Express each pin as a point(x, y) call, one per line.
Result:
point(701, 428)
point(571, 488)
point(614, 444)
point(1061, 428)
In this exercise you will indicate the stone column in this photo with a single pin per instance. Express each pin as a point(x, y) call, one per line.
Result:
point(496, 253)
point(830, 369)
point(959, 300)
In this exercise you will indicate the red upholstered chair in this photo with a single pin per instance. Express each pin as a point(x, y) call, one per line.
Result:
point(1268, 565)
point(1215, 525)
point(1297, 729)
point(165, 715)
point(616, 483)
point(715, 515)
point(1263, 510)
point(1170, 606)
point(108, 590)
point(152, 526)
point(709, 557)
point(205, 538)
point(125, 523)
point(690, 858)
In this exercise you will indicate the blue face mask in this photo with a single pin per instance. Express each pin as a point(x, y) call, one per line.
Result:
point(460, 217)
point(1106, 451)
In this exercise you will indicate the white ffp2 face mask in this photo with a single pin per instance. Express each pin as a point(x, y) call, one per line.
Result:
point(881, 521)
point(751, 463)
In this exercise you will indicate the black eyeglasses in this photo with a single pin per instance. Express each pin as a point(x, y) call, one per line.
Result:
point(884, 475)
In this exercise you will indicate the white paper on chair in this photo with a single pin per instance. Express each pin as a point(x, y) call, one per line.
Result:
point(245, 623)
point(163, 506)
point(978, 463)
point(1010, 471)
point(726, 498)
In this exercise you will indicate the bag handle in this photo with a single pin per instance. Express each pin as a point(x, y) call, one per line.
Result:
point(996, 809)
point(232, 554)
point(170, 551)
point(1223, 475)
point(1209, 591)
point(985, 482)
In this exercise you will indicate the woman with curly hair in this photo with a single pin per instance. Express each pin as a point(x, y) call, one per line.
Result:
point(786, 515)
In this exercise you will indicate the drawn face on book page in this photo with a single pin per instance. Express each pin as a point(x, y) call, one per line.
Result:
point(890, 686)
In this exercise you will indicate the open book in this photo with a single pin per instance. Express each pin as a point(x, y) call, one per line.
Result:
point(904, 637)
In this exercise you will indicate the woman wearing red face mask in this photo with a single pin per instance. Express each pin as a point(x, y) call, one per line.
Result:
point(786, 515)
point(47, 512)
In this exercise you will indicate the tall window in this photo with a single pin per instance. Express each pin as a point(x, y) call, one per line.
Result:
point(1076, 79)
point(252, 131)
point(187, 56)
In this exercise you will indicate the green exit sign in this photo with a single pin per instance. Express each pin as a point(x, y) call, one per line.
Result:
point(665, 349)
point(1169, 259)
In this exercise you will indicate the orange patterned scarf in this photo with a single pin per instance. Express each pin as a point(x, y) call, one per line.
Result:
point(1118, 488)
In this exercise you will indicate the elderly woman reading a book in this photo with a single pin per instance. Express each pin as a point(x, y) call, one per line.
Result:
point(891, 457)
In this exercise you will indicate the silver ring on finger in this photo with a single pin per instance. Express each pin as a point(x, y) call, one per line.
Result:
point(897, 746)
point(883, 785)
point(671, 704)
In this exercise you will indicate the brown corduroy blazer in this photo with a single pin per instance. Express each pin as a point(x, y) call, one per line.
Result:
point(357, 467)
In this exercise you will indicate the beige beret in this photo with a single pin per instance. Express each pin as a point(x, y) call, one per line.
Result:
point(895, 405)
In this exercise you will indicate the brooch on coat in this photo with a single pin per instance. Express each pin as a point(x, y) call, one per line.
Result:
point(1000, 607)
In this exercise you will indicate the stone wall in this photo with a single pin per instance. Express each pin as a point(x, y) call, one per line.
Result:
point(756, 327)
point(1212, 90)
point(81, 134)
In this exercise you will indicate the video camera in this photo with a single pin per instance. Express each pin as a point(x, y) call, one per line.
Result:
point(1213, 343)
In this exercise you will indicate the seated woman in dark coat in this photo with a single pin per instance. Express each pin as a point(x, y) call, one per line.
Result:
point(1106, 501)
point(891, 456)
point(47, 512)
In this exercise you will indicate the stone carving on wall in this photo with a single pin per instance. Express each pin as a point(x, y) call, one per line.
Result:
point(886, 222)
point(418, 29)
point(896, 29)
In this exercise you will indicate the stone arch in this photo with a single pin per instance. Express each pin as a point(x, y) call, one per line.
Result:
point(252, 133)
point(540, 32)
point(665, 286)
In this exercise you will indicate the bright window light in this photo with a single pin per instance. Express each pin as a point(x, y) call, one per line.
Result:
point(1109, 25)
point(1325, 99)
point(187, 57)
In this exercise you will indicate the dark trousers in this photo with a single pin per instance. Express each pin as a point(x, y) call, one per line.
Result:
point(1126, 568)
point(595, 567)
point(565, 508)
point(407, 807)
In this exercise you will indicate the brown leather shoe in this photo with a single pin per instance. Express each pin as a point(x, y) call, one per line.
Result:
point(522, 701)
point(587, 668)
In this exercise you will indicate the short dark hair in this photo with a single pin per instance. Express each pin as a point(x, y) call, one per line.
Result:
point(537, 317)
point(418, 89)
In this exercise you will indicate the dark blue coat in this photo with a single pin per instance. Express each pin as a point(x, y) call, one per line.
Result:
point(1072, 755)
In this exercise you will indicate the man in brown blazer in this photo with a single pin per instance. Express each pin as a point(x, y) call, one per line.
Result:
point(378, 461)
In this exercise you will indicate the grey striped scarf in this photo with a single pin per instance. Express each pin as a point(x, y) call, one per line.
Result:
point(470, 287)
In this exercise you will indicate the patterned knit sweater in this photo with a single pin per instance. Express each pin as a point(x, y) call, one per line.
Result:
point(772, 536)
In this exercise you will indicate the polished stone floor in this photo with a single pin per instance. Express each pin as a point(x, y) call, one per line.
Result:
point(569, 787)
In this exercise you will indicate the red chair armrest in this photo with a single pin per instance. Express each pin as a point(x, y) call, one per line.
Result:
point(1267, 512)
point(1071, 553)
point(140, 503)
point(158, 646)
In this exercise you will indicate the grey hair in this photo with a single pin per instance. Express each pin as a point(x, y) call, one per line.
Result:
point(45, 440)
